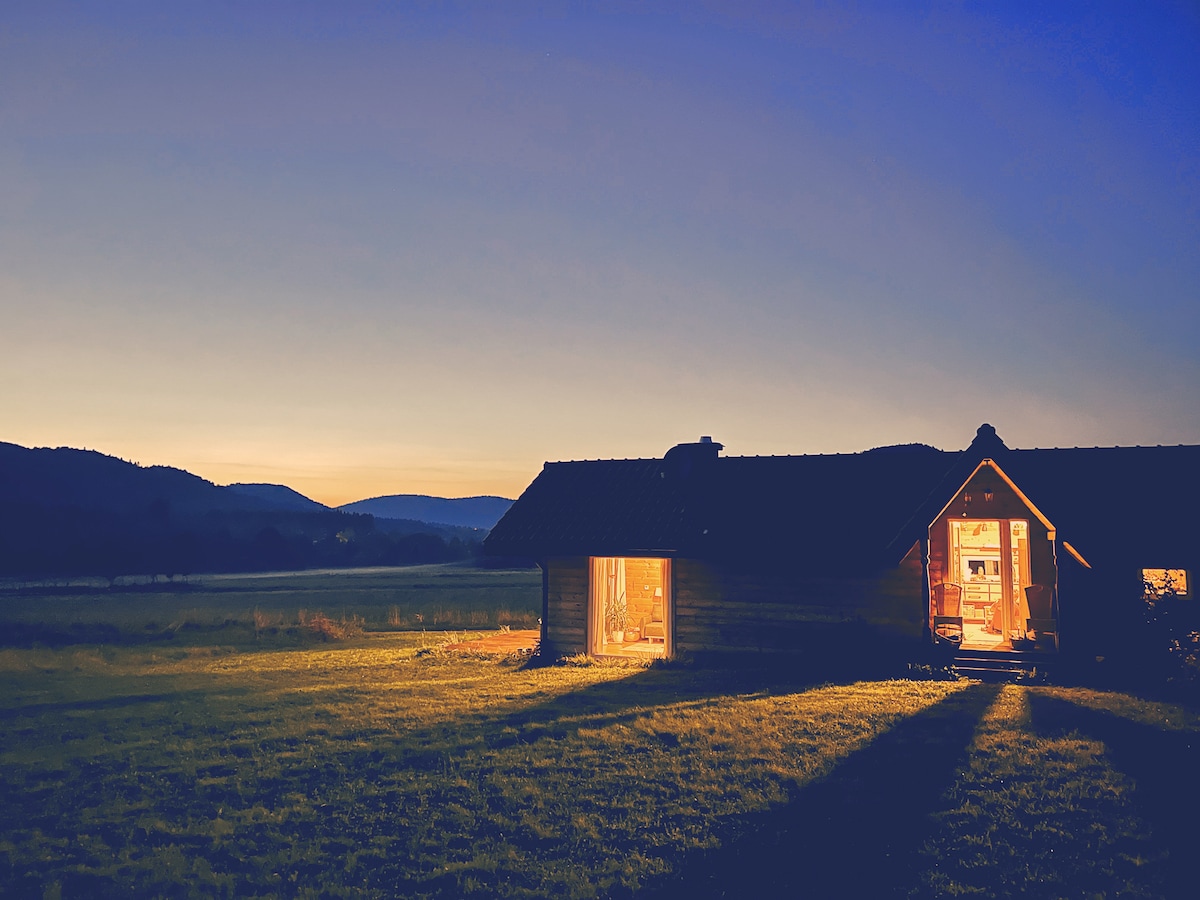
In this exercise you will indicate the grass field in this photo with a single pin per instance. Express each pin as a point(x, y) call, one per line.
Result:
point(237, 609)
point(382, 766)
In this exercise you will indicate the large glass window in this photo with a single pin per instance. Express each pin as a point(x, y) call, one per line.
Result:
point(629, 606)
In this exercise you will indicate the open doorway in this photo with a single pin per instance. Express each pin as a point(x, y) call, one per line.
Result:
point(629, 606)
point(992, 569)
point(989, 558)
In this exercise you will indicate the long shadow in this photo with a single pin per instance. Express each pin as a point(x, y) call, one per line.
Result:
point(855, 833)
point(609, 703)
point(561, 717)
point(1165, 768)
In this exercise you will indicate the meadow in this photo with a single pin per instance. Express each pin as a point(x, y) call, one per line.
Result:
point(384, 765)
point(272, 607)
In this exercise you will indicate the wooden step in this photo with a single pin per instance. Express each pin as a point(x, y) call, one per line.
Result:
point(1002, 665)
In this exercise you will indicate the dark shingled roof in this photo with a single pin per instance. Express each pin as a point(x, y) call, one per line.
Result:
point(1141, 503)
point(860, 511)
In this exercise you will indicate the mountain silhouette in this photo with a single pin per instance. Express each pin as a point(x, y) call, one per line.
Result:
point(278, 496)
point(88, 480)
point(79, 512)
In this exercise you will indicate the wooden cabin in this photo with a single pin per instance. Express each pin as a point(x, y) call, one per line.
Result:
point(887, 551)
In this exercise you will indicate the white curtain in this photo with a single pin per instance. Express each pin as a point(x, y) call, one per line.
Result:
point(608, 589)
point(617, 594)
point(597, 603)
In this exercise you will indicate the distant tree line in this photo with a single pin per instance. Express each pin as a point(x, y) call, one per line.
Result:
point(37, 540)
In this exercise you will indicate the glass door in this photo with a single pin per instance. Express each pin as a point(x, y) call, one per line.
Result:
point(1018, 555)
point(990, 560)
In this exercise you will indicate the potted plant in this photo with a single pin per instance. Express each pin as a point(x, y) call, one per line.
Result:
point(618, 618)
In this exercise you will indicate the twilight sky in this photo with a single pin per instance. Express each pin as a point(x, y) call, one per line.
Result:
point(375, 248)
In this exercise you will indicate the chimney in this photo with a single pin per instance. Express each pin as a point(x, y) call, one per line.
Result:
point(682, 459)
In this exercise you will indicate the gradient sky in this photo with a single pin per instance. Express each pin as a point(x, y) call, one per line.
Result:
point(376, 248)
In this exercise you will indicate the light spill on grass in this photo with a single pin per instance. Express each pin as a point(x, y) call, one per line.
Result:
point(364, 771)
point(1041, 814)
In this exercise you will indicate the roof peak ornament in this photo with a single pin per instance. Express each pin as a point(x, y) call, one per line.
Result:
point(987, 442)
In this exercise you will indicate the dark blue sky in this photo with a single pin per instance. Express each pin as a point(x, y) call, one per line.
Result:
point(379, 248)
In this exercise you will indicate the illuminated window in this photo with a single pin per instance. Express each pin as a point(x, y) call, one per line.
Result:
point(630, 605)
point(1160, 582)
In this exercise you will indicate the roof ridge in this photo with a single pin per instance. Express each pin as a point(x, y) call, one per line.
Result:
point(1108, 447)
point(855, 453)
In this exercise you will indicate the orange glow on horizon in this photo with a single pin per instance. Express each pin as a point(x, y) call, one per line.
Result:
point(321, 473)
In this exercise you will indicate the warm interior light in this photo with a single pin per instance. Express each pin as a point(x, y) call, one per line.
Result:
point(1164, 581)
point(629, 606)
point(991, 576)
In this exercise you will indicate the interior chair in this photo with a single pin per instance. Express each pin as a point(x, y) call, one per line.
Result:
point(947, 611)
point(1041, 619)
point(653, 628)
point(996, 618)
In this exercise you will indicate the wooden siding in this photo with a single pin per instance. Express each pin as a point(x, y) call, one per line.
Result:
point(564, 631)
point(901, 600)
point(716, 610)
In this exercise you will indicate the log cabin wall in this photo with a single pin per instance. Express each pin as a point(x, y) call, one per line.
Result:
point(719, 610)
point(564, 631)
point(1098, 622)
point(901, 601)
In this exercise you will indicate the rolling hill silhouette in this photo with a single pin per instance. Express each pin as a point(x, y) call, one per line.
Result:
point(85, 479)
point(79, 512)
point(468, 512)
point(278, 496)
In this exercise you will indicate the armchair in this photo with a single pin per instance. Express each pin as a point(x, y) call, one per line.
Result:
point(1041, 617)
point(947, 612)
point(653, 628)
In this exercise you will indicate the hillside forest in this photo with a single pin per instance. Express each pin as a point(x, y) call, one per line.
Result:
point(72, 513)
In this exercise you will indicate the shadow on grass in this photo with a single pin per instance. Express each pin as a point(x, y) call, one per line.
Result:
point(1163, 767)
point(620, 701)
point(855, 833)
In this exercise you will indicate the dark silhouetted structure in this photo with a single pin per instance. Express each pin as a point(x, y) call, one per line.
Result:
point(1042, 552)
